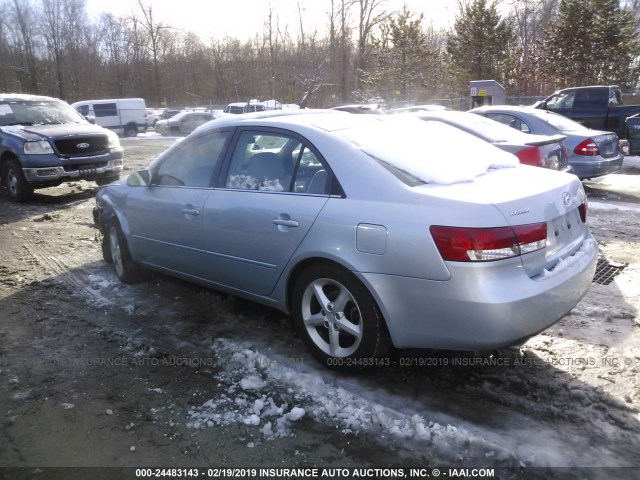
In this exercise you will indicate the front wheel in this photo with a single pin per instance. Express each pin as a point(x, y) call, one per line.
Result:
point(126, 269)
point(15, 181)
point(338, 319)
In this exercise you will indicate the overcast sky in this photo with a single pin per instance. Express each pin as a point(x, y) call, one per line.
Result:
point(243, 18)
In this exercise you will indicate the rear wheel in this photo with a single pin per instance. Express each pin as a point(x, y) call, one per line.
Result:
point(15, 181)
point(126, 269)
point(130, 131)
point(338, 319)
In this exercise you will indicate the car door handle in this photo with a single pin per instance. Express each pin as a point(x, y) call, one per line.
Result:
point(190, 211)
point(285, 222)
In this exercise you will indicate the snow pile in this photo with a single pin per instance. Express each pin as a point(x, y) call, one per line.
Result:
point(249, 182)
point(275, 419)
point(249, 400)
point(578, 261)
point(100, 282)
point(430, 151)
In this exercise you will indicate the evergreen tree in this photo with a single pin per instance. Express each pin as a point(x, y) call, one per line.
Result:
point(405, 59)
point(590, 42)
point(480, 44)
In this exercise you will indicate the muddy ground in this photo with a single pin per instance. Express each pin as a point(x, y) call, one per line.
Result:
point(164, 373)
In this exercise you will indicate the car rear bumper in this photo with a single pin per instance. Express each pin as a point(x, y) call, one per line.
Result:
point(482, 307)
point(596, 167)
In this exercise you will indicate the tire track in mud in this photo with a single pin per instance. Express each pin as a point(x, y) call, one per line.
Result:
point(69, 270)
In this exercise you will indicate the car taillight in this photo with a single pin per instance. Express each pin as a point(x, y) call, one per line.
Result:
point(583, 208)
point(587, 147)
point(460, 244)
point(531, 156)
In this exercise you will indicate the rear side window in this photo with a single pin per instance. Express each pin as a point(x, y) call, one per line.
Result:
point(510, 121)
point(276, 162)
point(105, 109)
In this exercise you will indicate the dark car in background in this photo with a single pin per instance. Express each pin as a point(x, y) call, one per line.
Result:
point(183, 123)
point(592, 153)
point(45, 142)
point(539, 150)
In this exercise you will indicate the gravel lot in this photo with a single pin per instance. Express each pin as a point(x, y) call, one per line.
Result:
point(164, 373)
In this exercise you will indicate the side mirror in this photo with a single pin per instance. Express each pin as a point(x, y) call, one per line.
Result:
point(91, 119)
point(141, 178)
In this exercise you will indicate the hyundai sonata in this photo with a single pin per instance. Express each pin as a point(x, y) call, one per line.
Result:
point(370, 231)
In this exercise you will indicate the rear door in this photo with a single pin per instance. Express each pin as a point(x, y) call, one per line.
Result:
point(264, 206)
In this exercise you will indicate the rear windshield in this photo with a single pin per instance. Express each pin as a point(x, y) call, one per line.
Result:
point(38, 112)
point(426, 152)
point(562, 123)
point(478, 125)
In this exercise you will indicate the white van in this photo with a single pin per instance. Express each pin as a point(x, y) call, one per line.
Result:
point(125, 116)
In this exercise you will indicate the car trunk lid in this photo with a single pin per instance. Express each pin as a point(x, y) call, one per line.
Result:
point(526, 196)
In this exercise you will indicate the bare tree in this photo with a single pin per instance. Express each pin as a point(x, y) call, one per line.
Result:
point(154, 31)
point(53, 28)
point(370, 13)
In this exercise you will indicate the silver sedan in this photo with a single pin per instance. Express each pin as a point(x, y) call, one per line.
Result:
point(370, 231)
point(592, 153)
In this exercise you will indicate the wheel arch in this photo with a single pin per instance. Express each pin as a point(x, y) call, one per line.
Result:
point(305, 263)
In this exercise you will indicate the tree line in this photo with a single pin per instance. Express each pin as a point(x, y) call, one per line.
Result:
point(361, 51)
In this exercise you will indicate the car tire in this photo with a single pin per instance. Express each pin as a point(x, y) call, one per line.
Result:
point(337, 319)
point(130, 131)
point(15, 181)
point(106, 249)
point(126, 269)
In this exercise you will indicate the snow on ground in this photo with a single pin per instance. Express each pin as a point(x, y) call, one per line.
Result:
point(254, 399)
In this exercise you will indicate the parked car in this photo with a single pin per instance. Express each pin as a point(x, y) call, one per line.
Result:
point(244, 107)
point(598, 107)
point(368, 230)
point(44, 142)
point(420, 108)
point(538, 150)
point(125, 116)
point(183, 123)
point(152, 117)
point(368, 108)
point(592, 153)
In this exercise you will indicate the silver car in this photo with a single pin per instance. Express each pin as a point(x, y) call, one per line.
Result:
point(592, 153)
point(370, 231)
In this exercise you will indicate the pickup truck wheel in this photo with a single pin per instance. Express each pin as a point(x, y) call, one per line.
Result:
point(17, 185)
point(130, 131)
point(126, 269)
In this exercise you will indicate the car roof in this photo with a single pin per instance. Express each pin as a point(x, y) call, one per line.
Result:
point(511, 108)
point(24, 97)
point(272, 117)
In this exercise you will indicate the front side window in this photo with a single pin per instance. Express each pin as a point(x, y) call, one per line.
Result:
point(561, 101)
point(193, 163)
point(83, 109)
